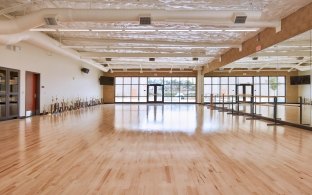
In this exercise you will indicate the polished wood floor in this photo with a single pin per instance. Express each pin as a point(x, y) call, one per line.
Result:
point(152, 149)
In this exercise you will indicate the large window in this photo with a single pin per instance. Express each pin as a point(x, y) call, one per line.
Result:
point(263, 86)
point(130, 89)
point(176, 89)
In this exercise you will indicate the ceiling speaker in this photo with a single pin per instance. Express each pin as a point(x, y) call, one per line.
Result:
point(85, 70)
point(145, 20)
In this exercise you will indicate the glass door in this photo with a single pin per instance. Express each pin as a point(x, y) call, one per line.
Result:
point(13, 93)
point(248, 93)
point(240, 93)
point(245, 92)
point(155, 93)
point(3, 84)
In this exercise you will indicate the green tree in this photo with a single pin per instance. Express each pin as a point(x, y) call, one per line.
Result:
point(273, 83)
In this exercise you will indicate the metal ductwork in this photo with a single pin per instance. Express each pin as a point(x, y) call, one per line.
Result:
point(45, 42)
point(37, 18)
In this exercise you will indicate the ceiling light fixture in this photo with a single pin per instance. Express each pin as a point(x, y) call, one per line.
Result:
point(172, 30)
point(106, 30)
point(73, 30)
point(241, 30)
point(295, 46)
point(206, 30)
point(140, 30)
point(42, 30)
point(73, 46)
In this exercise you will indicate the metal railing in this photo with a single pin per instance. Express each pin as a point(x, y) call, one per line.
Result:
point(232, 105)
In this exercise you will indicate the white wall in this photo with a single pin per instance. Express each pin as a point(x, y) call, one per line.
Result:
point(305, 90)
point(60, 76)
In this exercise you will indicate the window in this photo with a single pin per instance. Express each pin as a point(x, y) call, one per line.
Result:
point(176, 89)
point(263, 86)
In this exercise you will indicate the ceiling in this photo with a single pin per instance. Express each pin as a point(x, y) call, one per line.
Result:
point(291, 55)
point(182, 35)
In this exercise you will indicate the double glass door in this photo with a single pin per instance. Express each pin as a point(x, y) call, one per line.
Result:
point(9, 93)
point(155, 93)
point(244, 92)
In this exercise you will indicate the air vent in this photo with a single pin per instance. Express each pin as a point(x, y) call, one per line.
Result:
point(195, 59)
point(108, 59)
point(152, 59)
point(51, 21)
point(145, 20)
point(255, 58)
point(240, 19)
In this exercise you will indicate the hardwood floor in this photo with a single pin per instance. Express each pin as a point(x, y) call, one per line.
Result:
point(152, 149)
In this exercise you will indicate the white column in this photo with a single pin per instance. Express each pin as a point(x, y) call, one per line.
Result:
point(200, 87)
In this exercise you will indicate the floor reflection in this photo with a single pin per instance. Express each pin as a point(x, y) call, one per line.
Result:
point(146, 144)
point(156, 117)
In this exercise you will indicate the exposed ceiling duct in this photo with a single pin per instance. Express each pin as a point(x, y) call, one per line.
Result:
point(141, 55)
point(43, 41)
point(94, 41)
point(220, 18)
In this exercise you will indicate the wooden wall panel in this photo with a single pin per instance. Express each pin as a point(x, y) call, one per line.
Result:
point(109, 94)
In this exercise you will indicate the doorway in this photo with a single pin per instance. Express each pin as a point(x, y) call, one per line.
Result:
point(32, 94)
point(245, 92)
point(155, 93)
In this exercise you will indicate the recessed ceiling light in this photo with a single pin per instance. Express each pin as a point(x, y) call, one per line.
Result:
point(73, 30)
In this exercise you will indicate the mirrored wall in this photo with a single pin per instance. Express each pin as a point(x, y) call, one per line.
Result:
point(282, 72)
point(263, 86)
